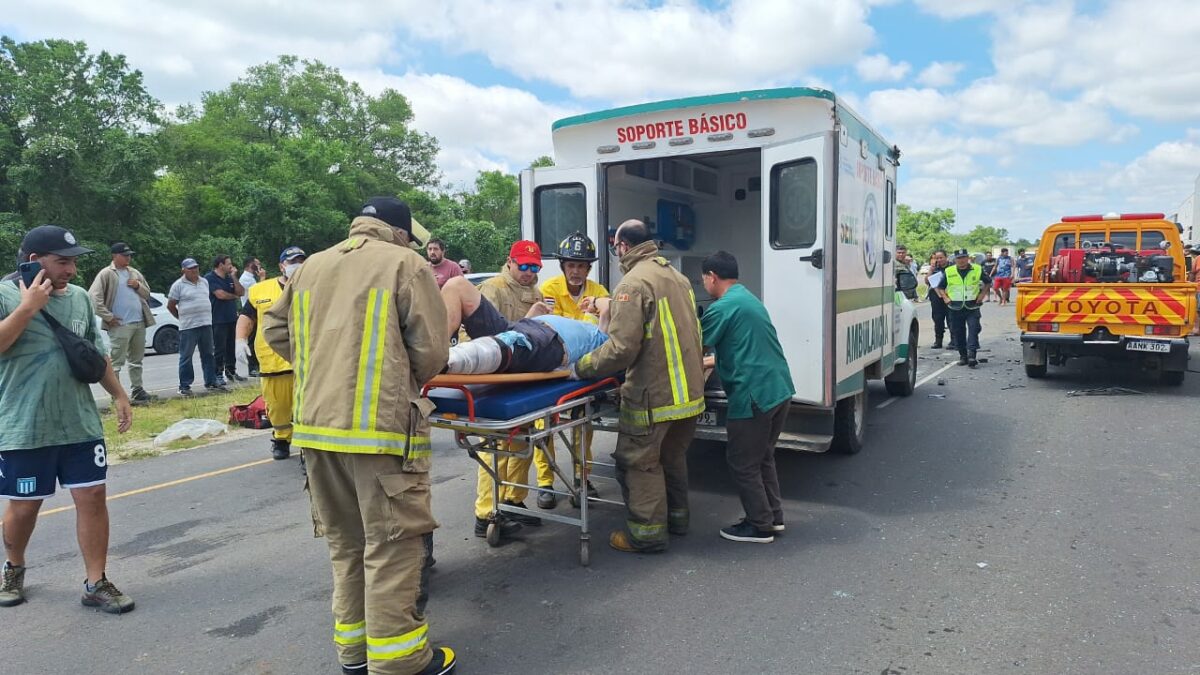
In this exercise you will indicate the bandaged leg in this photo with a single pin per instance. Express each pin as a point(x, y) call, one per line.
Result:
point(477, 357)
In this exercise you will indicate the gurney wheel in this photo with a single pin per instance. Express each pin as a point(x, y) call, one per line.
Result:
point(493, 535)
point(584, 554)
point(574, 501)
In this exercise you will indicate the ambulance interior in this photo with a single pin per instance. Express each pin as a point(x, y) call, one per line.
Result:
point(694, 205)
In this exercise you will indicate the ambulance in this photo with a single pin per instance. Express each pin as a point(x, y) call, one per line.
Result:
point(791, 182)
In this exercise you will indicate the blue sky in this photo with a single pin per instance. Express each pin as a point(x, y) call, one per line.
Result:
point(1032, 109)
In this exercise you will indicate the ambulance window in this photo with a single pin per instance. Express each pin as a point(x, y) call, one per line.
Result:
point(1124, 239)
point(794, 204)
point(560, 210)
point(889, 210)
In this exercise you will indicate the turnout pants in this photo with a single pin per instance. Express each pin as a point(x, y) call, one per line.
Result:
point(512, 469)
point(277, 394)
point(751, 456)
point(376, 520)
point(964, 330)
point(128, 345)
point(652, 471)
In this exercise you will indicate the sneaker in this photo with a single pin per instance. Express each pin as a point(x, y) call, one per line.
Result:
point(962, 360)
point(234, 377)
point(777, 527)
point(971, 360)
point(443, 662)
point(186, 392)
point(281, 449)
point(937, 344)
point(521, 517)
point(219, 386)
point(105, 597)
point(12, 591)
point(221, 381)
point(744, 531)
point(255, 373)
point(507, 526)
point(545, 499)
point(139, 395)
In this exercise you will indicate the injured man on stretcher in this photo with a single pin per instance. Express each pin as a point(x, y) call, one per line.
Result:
point(540, 342)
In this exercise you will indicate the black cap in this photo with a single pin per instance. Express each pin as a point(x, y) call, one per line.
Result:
point(54, 240)
point(961, 253)
point(121, 247)
point(397, 214)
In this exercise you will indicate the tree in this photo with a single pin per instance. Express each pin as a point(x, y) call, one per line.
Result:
point(985, 238)
point(924, 231)
point(76, 142)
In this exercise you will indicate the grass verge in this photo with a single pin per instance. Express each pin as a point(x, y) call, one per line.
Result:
point(150, 420)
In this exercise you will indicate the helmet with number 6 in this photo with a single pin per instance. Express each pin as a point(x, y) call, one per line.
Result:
point(577, 247)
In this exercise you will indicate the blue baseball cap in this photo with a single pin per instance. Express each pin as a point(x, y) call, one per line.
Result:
point(292, 252)
point(189, 263)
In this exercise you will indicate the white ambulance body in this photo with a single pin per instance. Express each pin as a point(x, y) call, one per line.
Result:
point(792, 183)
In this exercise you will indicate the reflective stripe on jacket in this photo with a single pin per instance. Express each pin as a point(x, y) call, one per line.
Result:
point(964, 290)
point(654, 336)
point(364, 327)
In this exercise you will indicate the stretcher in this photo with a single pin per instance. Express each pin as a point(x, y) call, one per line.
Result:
point(497, 416)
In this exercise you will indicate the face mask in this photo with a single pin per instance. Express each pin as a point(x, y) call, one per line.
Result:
point(289, 270)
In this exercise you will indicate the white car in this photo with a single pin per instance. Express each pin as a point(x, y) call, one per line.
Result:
point(163, 336)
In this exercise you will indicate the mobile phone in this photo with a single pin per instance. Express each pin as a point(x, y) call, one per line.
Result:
point(29, 270)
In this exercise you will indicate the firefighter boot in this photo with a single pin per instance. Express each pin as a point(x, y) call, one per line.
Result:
point(280, 449)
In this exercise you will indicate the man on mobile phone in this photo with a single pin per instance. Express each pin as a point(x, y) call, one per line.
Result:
point(119, 294)
point(50, 429)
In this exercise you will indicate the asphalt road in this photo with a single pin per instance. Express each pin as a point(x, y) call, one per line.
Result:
point(1004, 528)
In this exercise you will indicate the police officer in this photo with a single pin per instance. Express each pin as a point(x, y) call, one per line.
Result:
point(514, 293)
point(573, 295)
point(364, 328)
point(654, 336)
point(963, 287)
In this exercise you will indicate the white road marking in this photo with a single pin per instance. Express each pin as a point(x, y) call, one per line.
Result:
point(927, 378)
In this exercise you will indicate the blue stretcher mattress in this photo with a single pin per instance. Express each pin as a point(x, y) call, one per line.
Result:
point(505, 401)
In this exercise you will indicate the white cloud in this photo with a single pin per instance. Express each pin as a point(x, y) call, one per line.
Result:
point(958, 9)
point(1139, 58)
point(1033, 117)
point(1158, 179)
point(634, 50)
point(879, 68)
point(479, 128)
point(940, 74)
point(908, 108)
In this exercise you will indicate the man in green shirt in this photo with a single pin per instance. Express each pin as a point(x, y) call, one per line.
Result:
point(759, 387)
point(50, 428)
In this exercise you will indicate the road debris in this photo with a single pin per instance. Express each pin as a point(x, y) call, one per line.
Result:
point(1105, 391)
point(936, 396)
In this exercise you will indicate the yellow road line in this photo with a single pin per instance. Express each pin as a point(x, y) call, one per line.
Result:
point(168, 484)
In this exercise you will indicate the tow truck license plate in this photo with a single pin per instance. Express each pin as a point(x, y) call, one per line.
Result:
point(1147, 346)
point(708, 418)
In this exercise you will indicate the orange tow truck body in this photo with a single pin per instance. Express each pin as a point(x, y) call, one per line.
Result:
point(1113, 286)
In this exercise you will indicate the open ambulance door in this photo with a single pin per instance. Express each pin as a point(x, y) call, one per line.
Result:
point(556, 203)
point(798, 257)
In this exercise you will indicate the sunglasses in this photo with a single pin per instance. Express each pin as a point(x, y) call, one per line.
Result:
point(528, 267)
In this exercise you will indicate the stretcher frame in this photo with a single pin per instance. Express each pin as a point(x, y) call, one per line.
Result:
point(575, 410)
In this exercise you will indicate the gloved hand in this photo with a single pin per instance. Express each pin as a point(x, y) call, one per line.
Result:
point(241, 352)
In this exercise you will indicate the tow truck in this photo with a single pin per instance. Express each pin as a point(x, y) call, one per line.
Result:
point(1113, 286)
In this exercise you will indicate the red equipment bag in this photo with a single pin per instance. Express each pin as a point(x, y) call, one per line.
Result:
point(253, 415)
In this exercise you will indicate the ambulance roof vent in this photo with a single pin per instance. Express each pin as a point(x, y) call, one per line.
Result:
point(686, 140)
point(760, 133)
point(717, 138)
point(644, 145)
point(608, 149)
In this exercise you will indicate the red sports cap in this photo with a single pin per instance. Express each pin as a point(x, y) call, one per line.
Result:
point(526, 252)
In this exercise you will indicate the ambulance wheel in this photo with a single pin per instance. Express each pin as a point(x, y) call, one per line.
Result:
point(850, 424)
point(1035, 370)
point(493, 534)
point(903, 380)
point(584, 553)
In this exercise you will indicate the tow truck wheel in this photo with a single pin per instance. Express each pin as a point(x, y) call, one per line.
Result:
point(1172, 378)
point(850, 424)
point(1035, 370)
point(905, 375)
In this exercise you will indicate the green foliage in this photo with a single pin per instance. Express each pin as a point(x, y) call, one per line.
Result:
point(984, 238)
point(923, 232)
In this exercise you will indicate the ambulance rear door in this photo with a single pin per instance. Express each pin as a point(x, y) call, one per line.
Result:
point(556, 203)
point(798, 258)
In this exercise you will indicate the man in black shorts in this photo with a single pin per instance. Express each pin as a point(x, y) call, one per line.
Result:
point(49, 426)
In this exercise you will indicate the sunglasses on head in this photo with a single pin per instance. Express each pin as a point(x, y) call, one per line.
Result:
point(529, 267)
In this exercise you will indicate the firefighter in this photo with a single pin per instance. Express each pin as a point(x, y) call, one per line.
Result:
point(275, 373)
point(963, 287)
point(654, 336)
point(365, 328)
point(573, 295)
point(514, 293)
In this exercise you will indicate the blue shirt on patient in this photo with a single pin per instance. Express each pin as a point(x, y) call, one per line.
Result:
point(579, 337)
